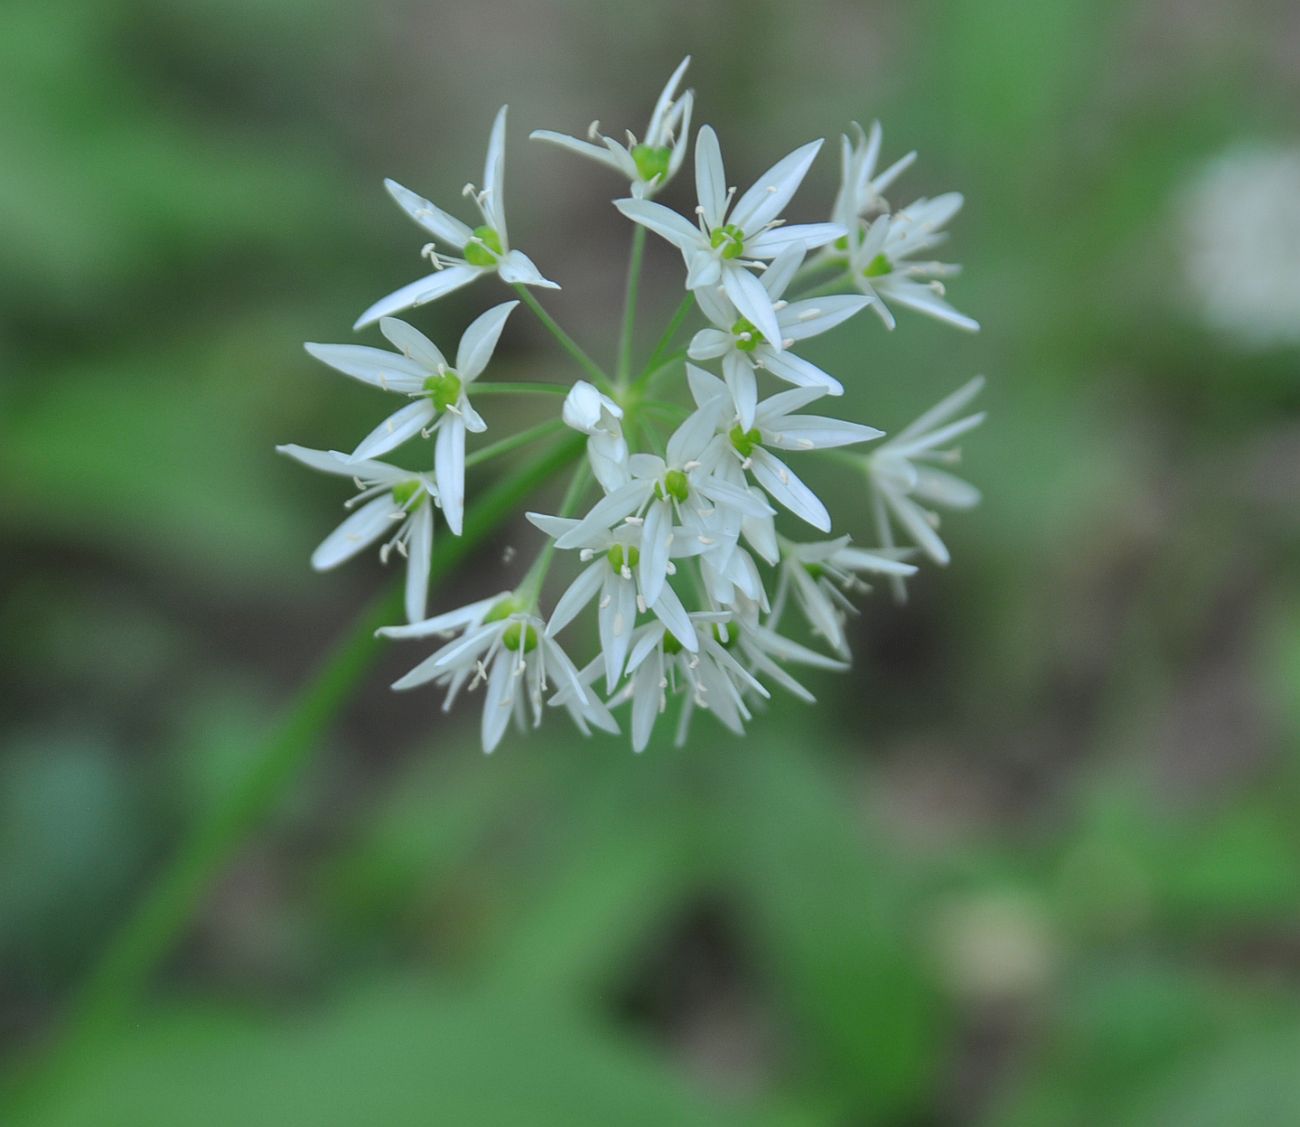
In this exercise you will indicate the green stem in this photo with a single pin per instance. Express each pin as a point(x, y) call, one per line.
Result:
point(153, 926)
point(670, 334)
point(571, 346)
point(623, 367)
point(651, 376)
point(522, 388)
point(505, 445)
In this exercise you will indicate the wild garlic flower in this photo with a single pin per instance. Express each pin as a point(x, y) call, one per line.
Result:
point(484, 249)
point(648, 164)
point(905, 477)
point(502, 643)
point(822, 574)
point(744, 350)
point(439, 395)
point(731, 238)
point(395, 508)
point(668, 564)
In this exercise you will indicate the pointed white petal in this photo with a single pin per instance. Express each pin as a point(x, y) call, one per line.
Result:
point(749, 296)
point(803, 319)
point(578, 594)
point(708, 344)
point(498, 699)
point(480, 339)
point(373, 366)
point(781, 271)
point(710, 179)
point(516, 267)
point(783, 485)
point(662, 221)
point(809, 236)
point(796, 370)
point(494, 167)
point(394, 430)
point(705, 387)
point(669, 610)
point(582, 148)
point(913, 518)
point(419, 554)
point(448, 620)
point(703, 268)
point(606, 512)
point(656, 539)
point(743, 387)
point(449, 471)
point(945, 409)
point(361, 529)
point(772, 191)
point(432, 218)
point(813, 432)
point(419, 292)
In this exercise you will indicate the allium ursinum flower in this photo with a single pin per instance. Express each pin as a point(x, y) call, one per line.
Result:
point(905, 479)
point(711, 679)
point(503, 643)
point(598, 416)
point(861, 188)
point(395, 507)
point(439, 393)
point(776, 426)
point(821, 574)
point(650, 163)
point(612, 572)
point(762, 650)
point(744, 349)
point(731, 238)
point(665, 493)
point(484, 249)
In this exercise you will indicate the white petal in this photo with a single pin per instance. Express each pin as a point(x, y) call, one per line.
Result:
point(469, 416)
point(813, 432)
point(784, 486)
point(662, 221)
point(780, 273)
point(772, 191)
point(703, 268)
point(914, 444)
point(605, 513)
point(419, 292)
point(710, 179)
point(396, 429)
point(494, 167)
point(733, 497)
point(706, 344)
point(803, 319)
point(749, 296)
point(361, 529)
point(498, 699)
point(645, 703)
point(940, 488)
point(656, 538)
point(775, 408)
point(411, 342)
point(913, 518)
point(796, 370)
point(326, 461)
point(743, 387)
point(809, 236)
point(857, 559)
point(449, 471)
point(432, 218)
point(373, 366)
point(689, 439)
point(480, 339)
point(578, 594)
point(664, 103)
point(945, 409)
point(449, 620)
point(923, 299)
point(705, 386)
point(516, 267)
point(617, 621)
point(669, 610)
point(419, 553)
point(554, 527)
point(582, 148)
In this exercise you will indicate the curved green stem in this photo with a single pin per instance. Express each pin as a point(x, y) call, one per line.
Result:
point(670, 334)
point(521, 388)
point(505, 445)
point(571, 346)
point(623, 368)
point(153, 926)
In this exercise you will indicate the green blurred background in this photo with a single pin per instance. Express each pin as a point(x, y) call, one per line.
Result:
point(1033, 861)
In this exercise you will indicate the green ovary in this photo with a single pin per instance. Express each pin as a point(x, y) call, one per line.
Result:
point(745, 440)
point(878, 267)
point(519, 634)
point(504, 609)
point(484, 248)
point(730, 238)
point(409, 491)
point(747, 337)
point(444, 390)
point(617, 557)
point(651, 162)
point(674, 485)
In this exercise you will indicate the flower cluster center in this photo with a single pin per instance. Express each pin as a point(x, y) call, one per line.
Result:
point(747, 336)
point(745, 440)
point(444, 390)
point(730, 238)
point(618, 556)
point(651, 162)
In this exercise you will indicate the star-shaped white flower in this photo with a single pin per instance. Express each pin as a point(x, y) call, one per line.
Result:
point(648, 164)
point(905, 479)
point(439, 393)
point(395, 504)
point(484, 249)
point(820, 575)
point(744, 349)
point(503, 643)
point(730, 238)
point(861, 186)
point(776, 426)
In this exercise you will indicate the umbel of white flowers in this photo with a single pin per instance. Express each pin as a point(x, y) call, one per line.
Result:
point(692, 581)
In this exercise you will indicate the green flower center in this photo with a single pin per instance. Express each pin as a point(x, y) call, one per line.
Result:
point(651, 163)
point(878, 267)
point(618, 557)
point(484, 247)
point(410, 491)
point(815, 570)
point(671, 644)
point(745, 440)
point(504, 609)
point(444, 390)
point(674, 485)
point(730, 238)
point(519, 634)
point(747, 337)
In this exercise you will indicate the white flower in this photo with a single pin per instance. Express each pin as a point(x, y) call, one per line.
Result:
point(439, 392)
point(776, 426)
point(597, 415)
point(613, 573)
point(882, 267)
point(762, 649)
point(861, 186)
point(667, 492)
point(503, 643)
point(485, 248)
point(648, 164)
point(710, 679)
point(392, 500)
point(750, 228)
point(821, 574)
point(904, 478)
point(743, 348)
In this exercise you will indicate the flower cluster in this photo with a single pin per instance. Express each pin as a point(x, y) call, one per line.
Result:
point(671, 518)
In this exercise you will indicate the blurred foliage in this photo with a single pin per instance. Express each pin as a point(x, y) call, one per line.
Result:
point(1033, 862)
